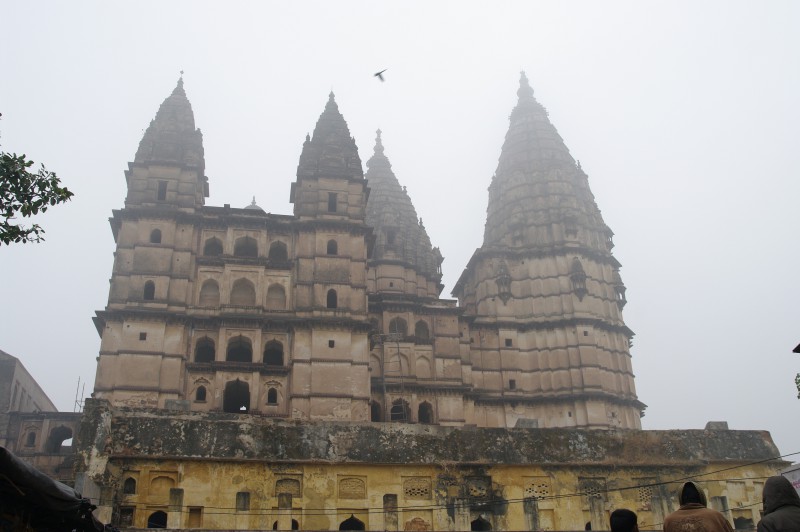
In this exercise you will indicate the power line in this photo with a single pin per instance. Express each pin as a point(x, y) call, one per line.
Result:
point(306, 511)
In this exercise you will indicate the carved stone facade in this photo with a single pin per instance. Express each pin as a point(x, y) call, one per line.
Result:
point(250, 362)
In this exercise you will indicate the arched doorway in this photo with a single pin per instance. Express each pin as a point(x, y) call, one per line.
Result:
point(237, 397)
point(352, 523)
point(425, 413)
point(57, 436)
point(480, 524)
point(157, 520)
point(400, 411)
point(375, 411)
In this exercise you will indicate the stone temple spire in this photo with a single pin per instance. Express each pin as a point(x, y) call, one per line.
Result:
point(538, 186)
point(400, 235)
point(331, 151)
point(171, 137)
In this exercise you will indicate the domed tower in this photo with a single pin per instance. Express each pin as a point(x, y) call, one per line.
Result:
point(404, 283)
point(543, 294)
point(141, 354)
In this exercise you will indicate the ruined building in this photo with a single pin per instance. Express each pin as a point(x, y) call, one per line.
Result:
point(284, 371)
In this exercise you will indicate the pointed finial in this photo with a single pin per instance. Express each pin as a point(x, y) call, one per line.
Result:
point(308, 137)
point(330, 96)
point(253, 204)
point(378, 143)
point(525, 89)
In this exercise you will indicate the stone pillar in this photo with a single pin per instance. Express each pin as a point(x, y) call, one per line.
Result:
point(462, 520)
point(598, 514)
point(390, 512)
point(284, 511)
point(531, 508)
point(175, 506)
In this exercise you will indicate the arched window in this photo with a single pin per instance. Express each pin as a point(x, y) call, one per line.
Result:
point(243, 293)
point(200, 394)
point(295, 525)
point(149, 291)
point(332, 299)
point(398, 326)
point(333, 247)
point(240, 350)
point(212, 247)
point(272, 396)
point(375, 411)
point(400, 411)
point(245, 247)
point(209, 293)
point(57, 436)
point(421, 330)
point(204, 350)
point(352, 523)
point(31, 441)
point(425, 413)
point(129, 486)
point(237, 397)
point(276, 297)
point(273, 353)
point(155, 236)
point(277, 252)
point(157, 520)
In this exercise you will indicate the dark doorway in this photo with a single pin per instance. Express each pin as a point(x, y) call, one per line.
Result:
point(240, 350)
point(57, 437)
point(237, 397)
point(352, 523)
point(480, 524)
point(273, 353)
point(400, 411)
point(425, 413)
point(375, 411)
point(157, 520)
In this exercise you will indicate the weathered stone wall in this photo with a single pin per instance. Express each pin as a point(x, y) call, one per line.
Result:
point(401, 476)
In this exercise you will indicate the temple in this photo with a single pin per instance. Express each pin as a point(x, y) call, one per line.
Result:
point(263, 371)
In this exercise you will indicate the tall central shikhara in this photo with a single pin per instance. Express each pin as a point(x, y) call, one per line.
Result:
point(333, 313)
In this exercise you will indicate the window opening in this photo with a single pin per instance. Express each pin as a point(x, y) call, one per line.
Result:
point(398, 326)
point(209, 294)
point(512, 384)
point(331, 343)
point(272, 396)
point(243, 293)
point(278, 252)
point(425, 413)
point(142, 336)
point(245, 247)
point(332, 299)
point(162, 190)
point(421, 330)
point(31, 441)
point(332, 204)
point(200, 395)
point(508, 342)
point(57, 436)
point(400, 411)
point(240, 350)
point(155, 236)
point(242, 501)
point(237, 397)
point(273, 353)
point(212, 247)
point(375, 411)
point(333, 247)
point(129, 487)
point(149, 291)
point(204, 351)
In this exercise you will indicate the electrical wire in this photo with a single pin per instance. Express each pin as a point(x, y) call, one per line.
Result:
point(306, 511)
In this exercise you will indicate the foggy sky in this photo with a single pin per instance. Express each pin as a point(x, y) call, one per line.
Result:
point(683, 114)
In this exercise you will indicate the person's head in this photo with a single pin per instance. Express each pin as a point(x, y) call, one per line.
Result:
point(691, 494)
point(778, 491)
point(623, 520)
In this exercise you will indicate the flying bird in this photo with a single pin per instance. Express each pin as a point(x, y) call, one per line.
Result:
point(379, 75)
